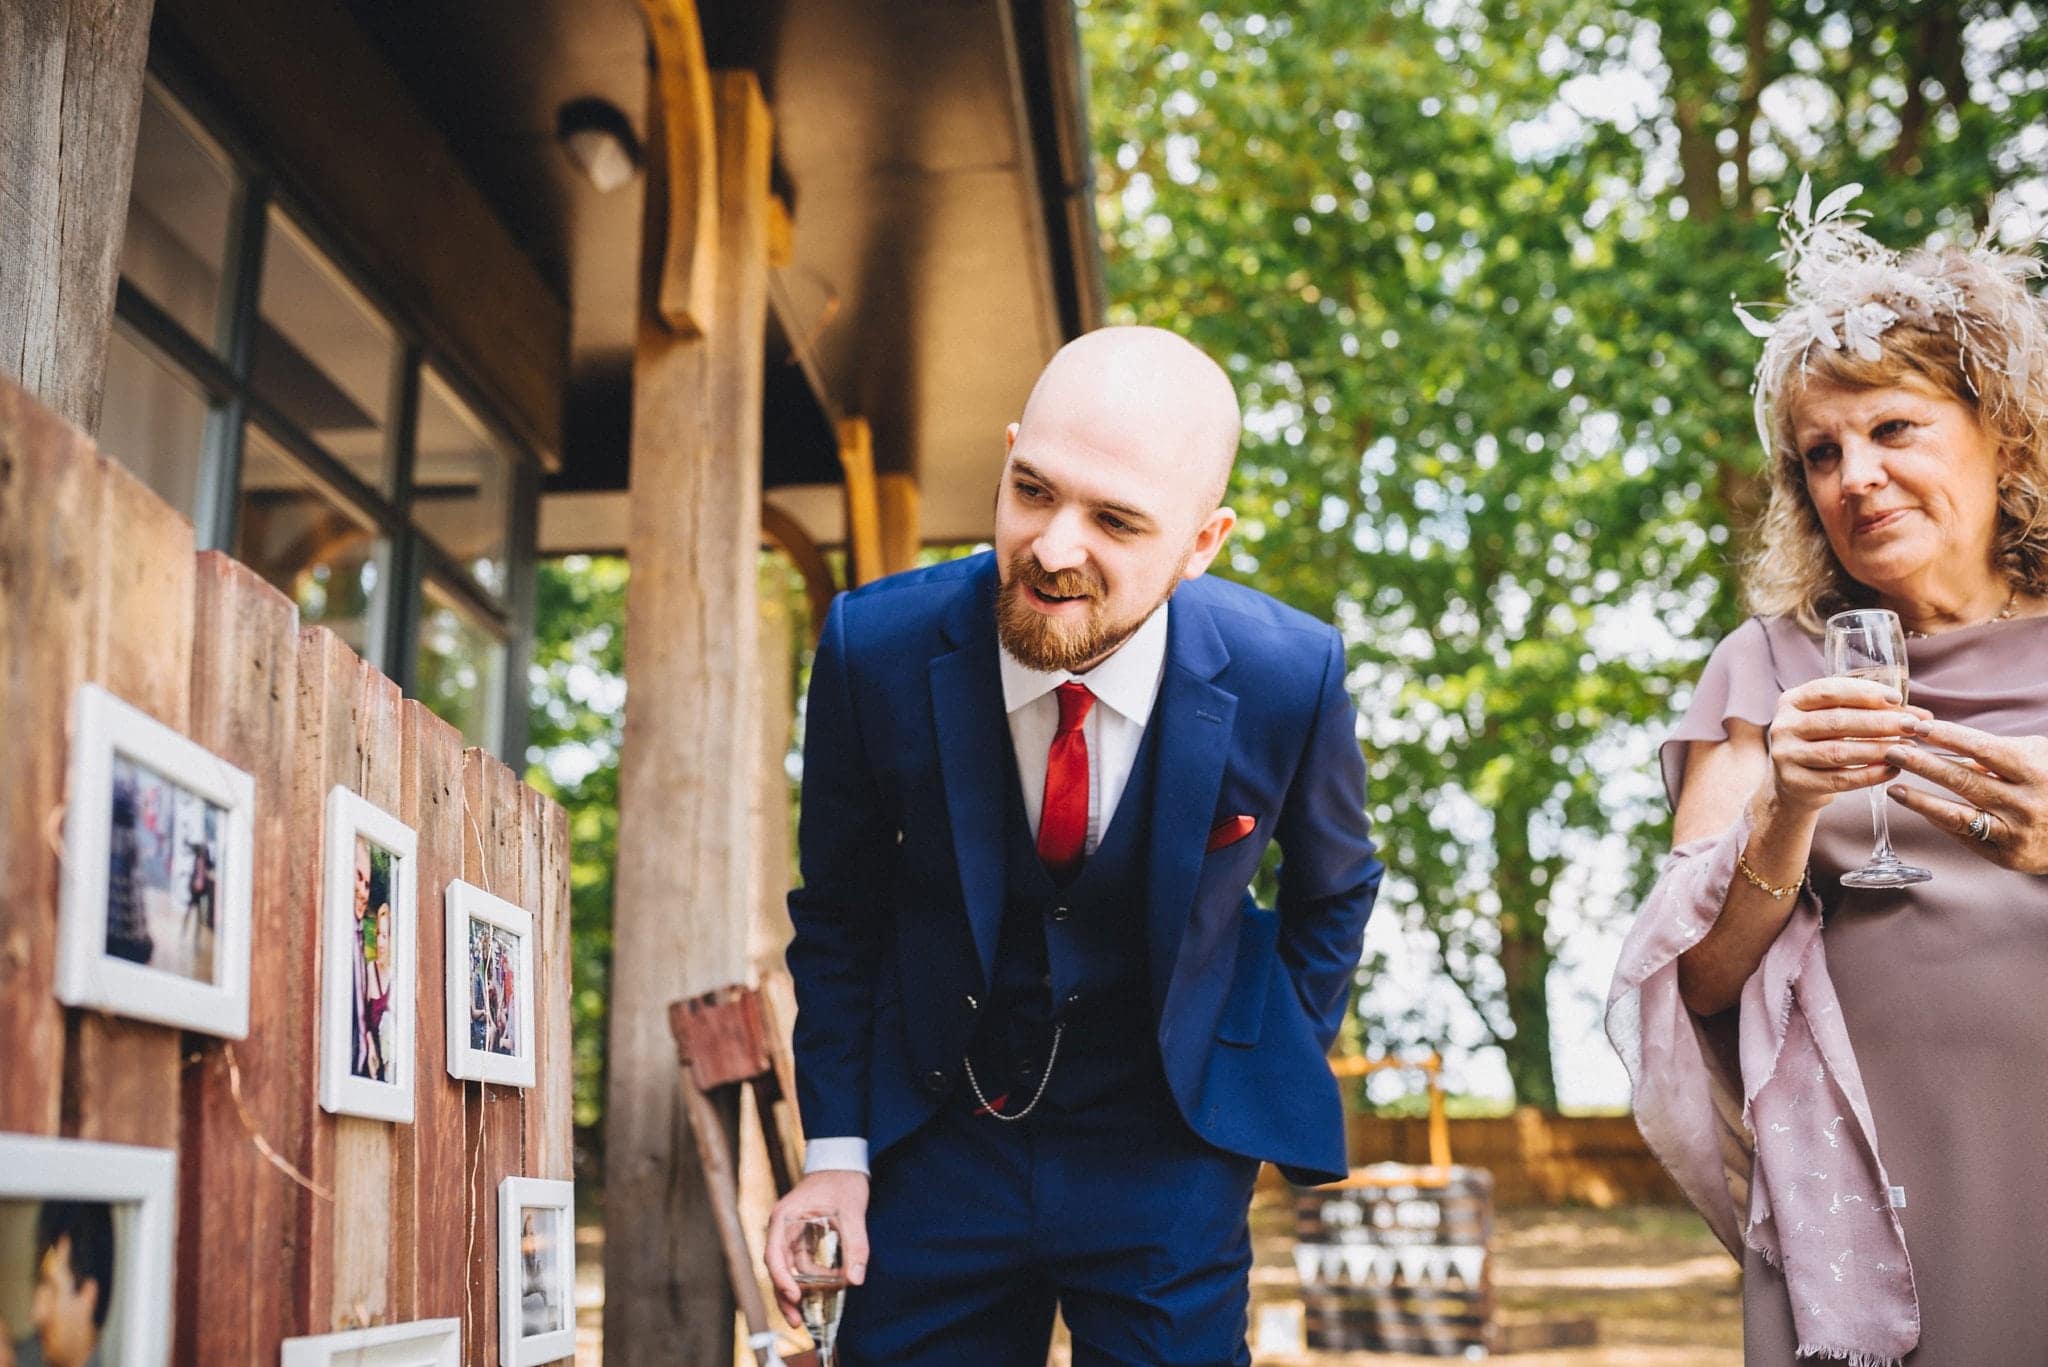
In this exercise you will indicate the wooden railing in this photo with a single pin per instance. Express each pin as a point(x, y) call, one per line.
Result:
point(291, 1220)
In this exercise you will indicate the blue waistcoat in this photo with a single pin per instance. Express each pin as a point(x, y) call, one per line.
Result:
point(1073, 955)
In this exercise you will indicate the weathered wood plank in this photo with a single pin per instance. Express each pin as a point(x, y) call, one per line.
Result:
point(239, 1211)
point(431, 1191)
point(368, 757)
point(494, 1137)
point(685, 866)
point(121, 1076)
point(70, 102)
point(550, 1105)
point(49, 559)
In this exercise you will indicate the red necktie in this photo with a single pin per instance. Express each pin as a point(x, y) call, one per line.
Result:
point(1063, 823)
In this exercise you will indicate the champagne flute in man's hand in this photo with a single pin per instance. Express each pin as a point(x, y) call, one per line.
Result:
point(1870, 643)
point(817, 1264)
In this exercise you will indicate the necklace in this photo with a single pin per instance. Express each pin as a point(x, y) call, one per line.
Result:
point(2012, 600)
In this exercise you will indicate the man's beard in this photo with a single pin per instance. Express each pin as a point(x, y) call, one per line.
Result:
point(1043, 643)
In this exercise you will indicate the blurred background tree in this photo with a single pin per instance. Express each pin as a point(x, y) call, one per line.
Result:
point(1470, 265)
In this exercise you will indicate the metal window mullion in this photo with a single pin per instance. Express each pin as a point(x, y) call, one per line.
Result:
point(219, 502)
point(401, 598)
point(520, 592)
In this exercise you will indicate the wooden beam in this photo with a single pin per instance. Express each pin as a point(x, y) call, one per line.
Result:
point(781, 234)
point(682, 224)
point(863, 504)
point(686, 796)
point(784, 533)
point(900, 508)
point(70, 100)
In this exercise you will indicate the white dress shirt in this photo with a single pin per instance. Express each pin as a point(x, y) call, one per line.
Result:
point(1126, 685)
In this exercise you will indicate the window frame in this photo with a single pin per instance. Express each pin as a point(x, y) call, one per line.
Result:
point(220, 370)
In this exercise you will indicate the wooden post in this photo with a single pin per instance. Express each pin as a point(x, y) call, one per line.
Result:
point(121, 1075)
point(348, 721)
point(432, 1160)
point(70, 102)
point(863, 504)
point(685, 862)
point(494, 1139)
point(898, 496)
point(244, 695)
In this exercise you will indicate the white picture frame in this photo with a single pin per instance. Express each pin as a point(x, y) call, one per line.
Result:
point(554, 1279)
point(143, 1186)
point(470, 906)
point(386, 1046)
point(124, 759)
point(424, 1343)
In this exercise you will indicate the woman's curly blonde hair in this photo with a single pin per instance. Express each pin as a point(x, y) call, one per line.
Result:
point(1961, 321)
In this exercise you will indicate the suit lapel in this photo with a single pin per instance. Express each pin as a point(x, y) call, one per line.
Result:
point(1196, 717)
point(973, 737)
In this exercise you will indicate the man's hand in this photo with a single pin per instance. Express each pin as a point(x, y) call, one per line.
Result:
point(841, 1194)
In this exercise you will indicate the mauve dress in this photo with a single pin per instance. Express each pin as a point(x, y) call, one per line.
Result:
point(1944, 991)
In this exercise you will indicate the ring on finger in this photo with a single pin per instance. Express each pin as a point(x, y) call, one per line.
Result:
point(1980, 826)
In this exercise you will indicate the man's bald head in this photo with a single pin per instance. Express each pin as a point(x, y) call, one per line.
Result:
point(1142, 390)
point(1112, 494)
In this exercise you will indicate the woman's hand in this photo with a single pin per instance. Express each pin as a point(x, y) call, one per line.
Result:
point(2006, 780)
point(1833, 735)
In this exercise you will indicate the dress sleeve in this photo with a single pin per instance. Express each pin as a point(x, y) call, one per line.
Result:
point(1740, 681)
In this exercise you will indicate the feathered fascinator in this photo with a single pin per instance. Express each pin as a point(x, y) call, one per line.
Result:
point(1844, 290)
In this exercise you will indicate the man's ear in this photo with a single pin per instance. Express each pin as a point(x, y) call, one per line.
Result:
point(1209, 539)
point(1009, 438)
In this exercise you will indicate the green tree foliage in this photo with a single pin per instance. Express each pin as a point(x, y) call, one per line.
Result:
point(575, 721)
point(1470, 265)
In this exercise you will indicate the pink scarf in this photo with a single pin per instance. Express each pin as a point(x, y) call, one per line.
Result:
point(1766, 1110)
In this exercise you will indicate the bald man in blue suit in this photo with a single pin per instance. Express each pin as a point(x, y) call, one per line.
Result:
point(1045, 1033)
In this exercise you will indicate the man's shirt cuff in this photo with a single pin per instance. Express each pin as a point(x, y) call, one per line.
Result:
point(836, 1155)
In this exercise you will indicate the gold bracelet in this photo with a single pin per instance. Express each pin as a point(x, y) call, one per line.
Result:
point(1776, 894)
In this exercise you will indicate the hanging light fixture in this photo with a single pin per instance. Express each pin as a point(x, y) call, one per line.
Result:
point(600, 141)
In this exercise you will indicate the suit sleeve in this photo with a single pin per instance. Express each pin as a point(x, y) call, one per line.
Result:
point(846, 843)
point(1329, 873)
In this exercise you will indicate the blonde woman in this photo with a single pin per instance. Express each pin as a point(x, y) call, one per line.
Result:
point(1855, 1112)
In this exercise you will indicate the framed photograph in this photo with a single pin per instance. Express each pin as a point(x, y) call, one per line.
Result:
point(490, 988)
point(536, 1271)
point(428, 1343)
point(153, 912)
point(85, 1252)
point(370, 918)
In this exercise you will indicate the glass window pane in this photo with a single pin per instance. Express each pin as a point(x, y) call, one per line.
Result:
point(461, 667)
point(153, 419)
point(178, 214)
point(322, 354)
point(461, 484)
point(295, 533)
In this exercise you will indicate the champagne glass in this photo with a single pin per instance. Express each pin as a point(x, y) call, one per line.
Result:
point(816, 1264)
point(1870, 643)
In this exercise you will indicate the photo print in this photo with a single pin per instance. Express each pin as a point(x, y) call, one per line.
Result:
point(158, 851)
point(368, 1002)
point(491, 1023)
point(536, 1271)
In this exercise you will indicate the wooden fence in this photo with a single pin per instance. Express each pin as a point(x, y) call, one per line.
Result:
point(384, 1223)
point(1536, 1159)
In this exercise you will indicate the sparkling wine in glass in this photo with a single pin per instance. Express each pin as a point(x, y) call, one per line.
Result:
point(815, 1262)
point(1870, 643)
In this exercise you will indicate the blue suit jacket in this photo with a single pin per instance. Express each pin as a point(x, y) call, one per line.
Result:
point(902, 846)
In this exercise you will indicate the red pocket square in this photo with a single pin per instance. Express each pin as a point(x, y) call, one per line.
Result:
point(1229, 832)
